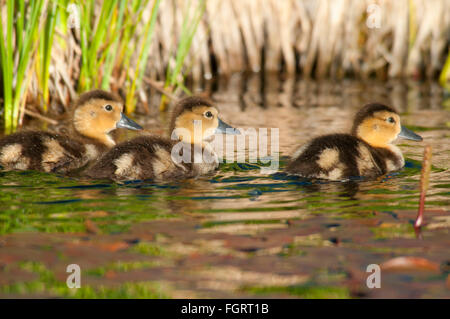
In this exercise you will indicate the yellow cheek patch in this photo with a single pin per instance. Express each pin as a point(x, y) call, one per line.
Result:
point(105, 124)
point(377, 131)
point(190, 122)
point(92, 120)
point(208, 124)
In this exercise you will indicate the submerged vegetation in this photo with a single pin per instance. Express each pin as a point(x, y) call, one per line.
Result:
point(50, 49)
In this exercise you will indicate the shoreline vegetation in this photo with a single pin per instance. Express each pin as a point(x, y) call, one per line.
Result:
point(52, 50)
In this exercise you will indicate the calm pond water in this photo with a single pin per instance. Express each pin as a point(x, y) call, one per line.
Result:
point(242, 233)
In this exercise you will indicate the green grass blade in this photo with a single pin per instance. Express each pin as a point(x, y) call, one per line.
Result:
point(112, 51)
point(188, 30)
point(20, 18)
point(47, 50)
point(7, 65)
point(444, 77)
point(86, 13)
point(143, 57)
point(27, 51)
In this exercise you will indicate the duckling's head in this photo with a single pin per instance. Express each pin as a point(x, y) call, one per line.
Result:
point(196, 119)
point(379, 125)
point(97, 112)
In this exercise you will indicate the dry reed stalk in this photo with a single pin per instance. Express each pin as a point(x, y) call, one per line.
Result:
point(40, 117)
point(242, 11)
point(160, 88)
point(323, 38)
point(400, 37)
point(331, 34)
point(424, 183)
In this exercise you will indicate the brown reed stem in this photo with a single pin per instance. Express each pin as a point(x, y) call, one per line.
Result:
point(424, 182)
point(159, 88)
point(40, 117)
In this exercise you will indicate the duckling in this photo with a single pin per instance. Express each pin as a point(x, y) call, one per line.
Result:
point(95, 114)
point(366, 152)
point(187, 154)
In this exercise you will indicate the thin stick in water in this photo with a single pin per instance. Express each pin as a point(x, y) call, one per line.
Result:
point(424, 182)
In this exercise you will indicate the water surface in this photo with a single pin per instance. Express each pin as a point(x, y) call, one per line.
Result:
point(241, 233)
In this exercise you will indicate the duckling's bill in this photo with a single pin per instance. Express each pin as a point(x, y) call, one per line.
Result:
point(224, 128)
point(409, 135)
point(126, 122)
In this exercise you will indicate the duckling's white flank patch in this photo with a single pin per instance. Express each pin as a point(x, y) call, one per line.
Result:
point(109, 141)
point(11, 157)
point(328, 158)
point(364, 161)
point(52, 155)
point(391, 165)
point(335, 174)
point(164, 162)
point(125, 167)
point(209, 155)
point(91, 152)
point(22, 164)
point(123, 163)
point(11, 153)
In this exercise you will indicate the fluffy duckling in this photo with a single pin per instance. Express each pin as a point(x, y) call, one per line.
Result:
point(188, 154)
point(95, 114)
point(368, 151)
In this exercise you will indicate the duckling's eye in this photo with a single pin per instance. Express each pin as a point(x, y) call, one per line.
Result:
point(208, 114)
point(108, 107)
point(390, 119)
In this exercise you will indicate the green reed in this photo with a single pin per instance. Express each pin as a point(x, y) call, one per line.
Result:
point(142, 58)
point(44, 51)
point(23, 23)
point(126, 46)
point(96, 37)
point(113, 46)
point(110, 45)
point(110, 55)
point(174, 76)
point(444, 78)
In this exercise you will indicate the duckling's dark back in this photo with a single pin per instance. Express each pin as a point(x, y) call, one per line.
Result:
point(339, 156)
point(62, 153)
point(44, 151)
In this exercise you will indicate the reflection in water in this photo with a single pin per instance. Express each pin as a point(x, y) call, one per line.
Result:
point(242, 202)
point(269, 90)
point(301, 109)
point(347, 189)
